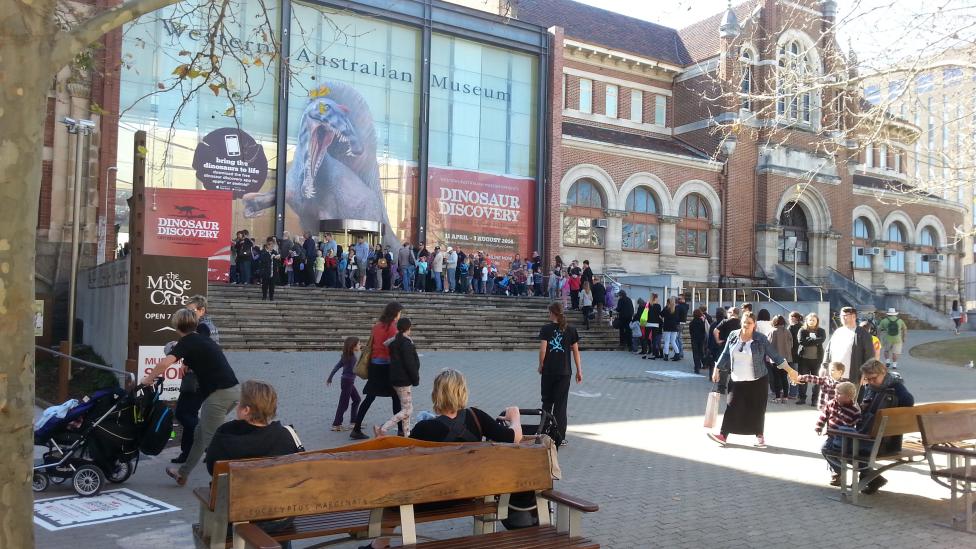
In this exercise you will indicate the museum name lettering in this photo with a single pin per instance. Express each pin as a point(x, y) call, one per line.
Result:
point(381, 70)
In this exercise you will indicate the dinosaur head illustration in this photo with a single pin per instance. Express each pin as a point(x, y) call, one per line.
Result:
point(326, 122)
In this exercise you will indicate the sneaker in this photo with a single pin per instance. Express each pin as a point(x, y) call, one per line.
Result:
point(760, 442)
point(894, 366)
point(337, 428)
point(358, 434)
point(719, 438)
point(835, 479)
point(875, 485)
point(179, 459)
point(174, 474)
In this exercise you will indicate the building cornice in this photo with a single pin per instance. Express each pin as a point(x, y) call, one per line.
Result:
point(924, 201)
point(634, 152)
point(639, 64)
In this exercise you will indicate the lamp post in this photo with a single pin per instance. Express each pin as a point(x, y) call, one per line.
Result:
point(791, 242)
point(79, 128)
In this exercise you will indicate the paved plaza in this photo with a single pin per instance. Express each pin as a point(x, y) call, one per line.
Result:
point(636, 447)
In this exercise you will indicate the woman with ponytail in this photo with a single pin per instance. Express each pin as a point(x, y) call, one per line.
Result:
point(558, 344)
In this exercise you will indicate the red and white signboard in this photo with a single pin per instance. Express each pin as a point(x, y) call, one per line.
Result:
point(191, 223)
point(481, 211)
point(149, 356)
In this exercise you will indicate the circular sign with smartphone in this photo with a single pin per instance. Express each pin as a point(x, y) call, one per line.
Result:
point(228, 159)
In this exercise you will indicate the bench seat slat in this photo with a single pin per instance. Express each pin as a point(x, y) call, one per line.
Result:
point(527, 538)
point(957, 473)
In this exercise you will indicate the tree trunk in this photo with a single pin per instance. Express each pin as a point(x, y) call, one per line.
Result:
point(25, 75)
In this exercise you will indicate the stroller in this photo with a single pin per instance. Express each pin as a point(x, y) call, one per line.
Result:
point(95, 441)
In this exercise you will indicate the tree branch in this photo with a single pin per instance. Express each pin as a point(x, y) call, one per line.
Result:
point(78, 38)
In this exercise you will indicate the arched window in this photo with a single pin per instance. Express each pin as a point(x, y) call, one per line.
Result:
point(640, 227)
point(862, 240)
point(793, 222)
point(895, 253)
point(794, 83)
point(746, 85)
point(928, 247)
point(583, 224)
point(691, 237)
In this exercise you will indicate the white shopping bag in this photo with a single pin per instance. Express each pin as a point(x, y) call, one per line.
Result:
point(711, 409)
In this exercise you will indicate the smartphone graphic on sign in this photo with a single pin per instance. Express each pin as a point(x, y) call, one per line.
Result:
point(233, 145)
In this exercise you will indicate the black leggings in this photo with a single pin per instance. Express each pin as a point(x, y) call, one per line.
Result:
point(364, 407)
point(267, 288)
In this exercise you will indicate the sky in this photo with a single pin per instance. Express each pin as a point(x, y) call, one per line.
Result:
point(880, 31)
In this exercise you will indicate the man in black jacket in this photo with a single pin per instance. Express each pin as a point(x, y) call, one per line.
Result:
point(625, 312)
point(245, 257)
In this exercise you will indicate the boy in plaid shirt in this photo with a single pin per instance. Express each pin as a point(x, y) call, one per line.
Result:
point(828, 383)
point(840, 413)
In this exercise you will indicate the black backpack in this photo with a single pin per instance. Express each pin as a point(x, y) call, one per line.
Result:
point(457, 429)
point(157, 429)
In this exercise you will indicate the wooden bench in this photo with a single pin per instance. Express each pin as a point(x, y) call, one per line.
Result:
point(952, 435)
point(888, 422)
point(352, 490)
point(350, 523)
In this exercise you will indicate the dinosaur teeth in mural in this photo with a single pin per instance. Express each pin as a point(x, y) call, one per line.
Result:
point(334, 173)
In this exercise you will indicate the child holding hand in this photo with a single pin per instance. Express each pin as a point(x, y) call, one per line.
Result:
point(827, 383)
point(347, 383)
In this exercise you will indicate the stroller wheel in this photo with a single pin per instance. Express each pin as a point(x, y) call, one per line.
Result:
point(123, 470)
point(88, 480)
point(40, 482)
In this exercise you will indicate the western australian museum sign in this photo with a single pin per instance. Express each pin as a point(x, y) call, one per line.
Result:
point(382, 71)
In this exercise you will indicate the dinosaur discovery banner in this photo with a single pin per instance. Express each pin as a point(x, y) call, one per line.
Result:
point(184, 223)
point(479, 211)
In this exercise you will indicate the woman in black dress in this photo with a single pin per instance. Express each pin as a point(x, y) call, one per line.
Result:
point(744, 359)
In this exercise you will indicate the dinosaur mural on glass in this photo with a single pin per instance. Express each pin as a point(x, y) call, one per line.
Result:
point(334, 173)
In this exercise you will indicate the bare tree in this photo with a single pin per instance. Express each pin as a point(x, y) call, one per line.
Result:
point(37, 39)
point(849, 107)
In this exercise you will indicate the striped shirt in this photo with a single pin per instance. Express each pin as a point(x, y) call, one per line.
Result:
point(828, 387)
point(838, 415)
point(208, 328)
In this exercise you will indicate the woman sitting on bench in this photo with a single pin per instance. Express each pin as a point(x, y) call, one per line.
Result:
point(458, 423)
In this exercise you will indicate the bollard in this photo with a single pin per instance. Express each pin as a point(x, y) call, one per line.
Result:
point(64, 372)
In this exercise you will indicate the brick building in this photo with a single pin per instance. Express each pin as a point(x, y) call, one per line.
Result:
point(657, 168)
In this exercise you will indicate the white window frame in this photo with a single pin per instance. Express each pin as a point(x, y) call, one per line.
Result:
point(661, 110)
point(869, 155)
point(612, 96)
point(586, 97)
point(883, 157)
point(636, 106)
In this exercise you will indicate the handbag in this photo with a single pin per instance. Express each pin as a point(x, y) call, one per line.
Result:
point(711, 409)
point(362, 365)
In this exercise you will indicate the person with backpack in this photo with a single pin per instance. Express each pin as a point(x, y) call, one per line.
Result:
point(880, 389)
point(456, 422)
point(219, 388)
point(558, 348)
point(893, 332)
point(188, 404)
point(625, 313)
point(378, 380)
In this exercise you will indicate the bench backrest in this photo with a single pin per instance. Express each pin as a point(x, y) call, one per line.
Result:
point(307, 484)
point(947, 427)
point(382, 443)
point(904, 420)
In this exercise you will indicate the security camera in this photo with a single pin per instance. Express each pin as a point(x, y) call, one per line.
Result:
point(68, 121)
point(86, 123)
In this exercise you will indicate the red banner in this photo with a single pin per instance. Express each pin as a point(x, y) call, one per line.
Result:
point(191, 223)
point(481, 211)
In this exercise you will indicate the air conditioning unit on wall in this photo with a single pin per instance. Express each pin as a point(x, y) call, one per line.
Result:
point(869, 251)
point(600, 223)
point(889, 253)
point(933, 257)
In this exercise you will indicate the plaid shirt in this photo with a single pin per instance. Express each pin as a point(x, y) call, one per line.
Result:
point(828, 387)
point(837, 415)
point(211, 328)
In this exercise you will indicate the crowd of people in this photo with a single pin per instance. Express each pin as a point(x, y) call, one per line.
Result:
point(305, 260)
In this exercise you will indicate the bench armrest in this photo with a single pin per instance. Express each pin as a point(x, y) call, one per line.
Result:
point(570, 501)
point(254, 537)
point(848, 434)
point(965, 452)
point(203, 496)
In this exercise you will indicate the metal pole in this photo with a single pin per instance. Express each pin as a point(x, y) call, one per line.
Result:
point(794, 276)
point(79, 132)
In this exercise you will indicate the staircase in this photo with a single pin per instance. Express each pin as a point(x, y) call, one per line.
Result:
point(319, 319)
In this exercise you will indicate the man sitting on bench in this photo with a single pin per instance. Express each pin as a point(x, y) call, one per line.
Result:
point(879, 389)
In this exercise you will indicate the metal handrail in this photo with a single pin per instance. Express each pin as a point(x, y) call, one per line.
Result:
point(769, 299)
point(128, 375)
